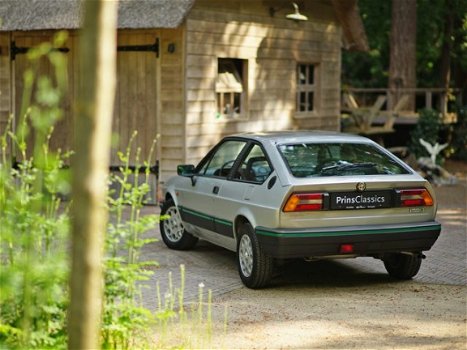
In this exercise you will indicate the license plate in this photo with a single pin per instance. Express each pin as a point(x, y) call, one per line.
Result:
point(360, 200)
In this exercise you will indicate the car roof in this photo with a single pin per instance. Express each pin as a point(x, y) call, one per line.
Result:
point(282, 137)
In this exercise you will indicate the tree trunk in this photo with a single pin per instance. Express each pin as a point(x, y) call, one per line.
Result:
point(445, 69)
point(402, 61)
point(445, 65)
point(90, 170)
point(349, 17)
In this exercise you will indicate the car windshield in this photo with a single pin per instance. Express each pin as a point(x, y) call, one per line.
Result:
point(338, 159)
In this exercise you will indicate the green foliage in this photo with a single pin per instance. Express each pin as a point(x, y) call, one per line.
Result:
point(178, 327)
point(430, 28)
point(35, 223)
point(124, 317)
point(428, 129)
point(35, 229)
point(370, 69)
point(458, 136)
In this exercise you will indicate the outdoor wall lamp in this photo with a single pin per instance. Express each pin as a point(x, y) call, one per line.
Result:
point(296, 16)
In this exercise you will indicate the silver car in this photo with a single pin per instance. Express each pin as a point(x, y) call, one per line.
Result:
point(316, 195)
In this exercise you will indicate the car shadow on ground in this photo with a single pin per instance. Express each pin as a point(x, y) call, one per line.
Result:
point(292, 272)
point(299, 272)
point(325, 273)
point(295, 272)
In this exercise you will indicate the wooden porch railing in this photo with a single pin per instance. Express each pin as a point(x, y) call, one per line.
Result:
point(434, 98)
point(374, 111)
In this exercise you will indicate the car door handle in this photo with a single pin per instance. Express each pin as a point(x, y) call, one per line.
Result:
point(215, 190)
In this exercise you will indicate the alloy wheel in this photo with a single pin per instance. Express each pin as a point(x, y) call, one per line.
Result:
point(173, 226)
point(245, 255)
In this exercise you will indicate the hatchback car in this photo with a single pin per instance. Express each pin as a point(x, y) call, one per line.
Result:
point(313, 195)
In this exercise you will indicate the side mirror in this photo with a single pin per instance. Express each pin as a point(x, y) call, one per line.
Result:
point(186, 170)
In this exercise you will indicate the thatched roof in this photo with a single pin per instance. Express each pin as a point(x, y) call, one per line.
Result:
point(66, 14)
point(133, 14)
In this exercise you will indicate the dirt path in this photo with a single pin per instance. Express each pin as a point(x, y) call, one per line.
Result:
point(365, 313)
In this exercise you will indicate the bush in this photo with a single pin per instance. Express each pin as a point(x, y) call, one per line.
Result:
point(428, 128)
point(34, 221)
point(458, 135)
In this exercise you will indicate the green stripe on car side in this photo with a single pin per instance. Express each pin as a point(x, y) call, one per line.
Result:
point(204, 216)
point(222, 221)
point(319, 233)
point(196, 213)
point(346, 233)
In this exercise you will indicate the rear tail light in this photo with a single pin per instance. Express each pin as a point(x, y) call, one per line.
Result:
point(346, 248)
point(418, 197)
point(305, 202)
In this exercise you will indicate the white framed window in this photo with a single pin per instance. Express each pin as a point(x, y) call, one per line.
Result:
point(231, 87)
point(306, 88)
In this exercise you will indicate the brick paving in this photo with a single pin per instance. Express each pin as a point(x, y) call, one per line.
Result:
point(215, 267)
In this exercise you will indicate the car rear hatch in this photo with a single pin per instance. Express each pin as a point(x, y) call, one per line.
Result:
point(343, 201)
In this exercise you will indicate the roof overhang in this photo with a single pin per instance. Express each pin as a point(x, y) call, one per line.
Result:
point(25, 15)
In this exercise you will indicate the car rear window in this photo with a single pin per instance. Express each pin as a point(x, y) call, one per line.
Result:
point(338, 159)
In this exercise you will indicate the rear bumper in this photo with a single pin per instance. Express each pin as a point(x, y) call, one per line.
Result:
point(366, 240)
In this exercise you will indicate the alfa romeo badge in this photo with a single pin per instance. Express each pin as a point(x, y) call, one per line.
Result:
point(361, 186)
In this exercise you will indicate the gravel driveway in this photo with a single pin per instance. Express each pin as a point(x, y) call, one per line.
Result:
point(335, 304)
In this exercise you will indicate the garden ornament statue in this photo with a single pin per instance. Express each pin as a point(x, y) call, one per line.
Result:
point(431, 171)
point(433, 150)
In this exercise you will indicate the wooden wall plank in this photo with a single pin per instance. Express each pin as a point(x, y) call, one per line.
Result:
point(62, 133)
point(272, 47)
point(4, 76)
point(137, 96)
point(316, 10)
point(180, 84)
point(172, 97)
point(5, 90)
point(272, 28)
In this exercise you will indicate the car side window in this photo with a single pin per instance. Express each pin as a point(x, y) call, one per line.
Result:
point(222, 160)
point(255, 166)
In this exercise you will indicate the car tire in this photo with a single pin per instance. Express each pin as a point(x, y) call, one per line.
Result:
point(173, 233)
point(254, 266)
point(402, 266)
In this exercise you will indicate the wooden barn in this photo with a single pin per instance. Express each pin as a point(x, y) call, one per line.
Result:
point(192, 71)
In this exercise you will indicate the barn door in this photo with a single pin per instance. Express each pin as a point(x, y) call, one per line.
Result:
point(136, 94)
point(136, 101)
point(62, 134)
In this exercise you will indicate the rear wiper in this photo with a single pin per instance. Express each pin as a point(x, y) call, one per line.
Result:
point(346, 166)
